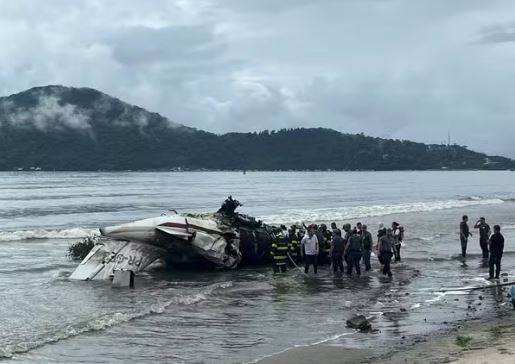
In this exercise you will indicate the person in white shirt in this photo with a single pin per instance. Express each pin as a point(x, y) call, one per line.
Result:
point(311, 249)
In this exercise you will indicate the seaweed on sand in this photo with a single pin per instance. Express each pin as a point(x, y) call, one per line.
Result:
point(80, 249)
point(463, 341)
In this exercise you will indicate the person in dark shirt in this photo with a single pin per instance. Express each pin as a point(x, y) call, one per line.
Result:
point(380, 233)
point(496, 244)
point(348, 232)
point(337, 248)
point(484, 235)
point(385, 251)
point(321, 243)
point(359, 228)
point(353, 251)
point(464, 235)
point(367, 246)
point(346, 237)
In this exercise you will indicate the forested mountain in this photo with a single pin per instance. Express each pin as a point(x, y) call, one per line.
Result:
point(64, 128)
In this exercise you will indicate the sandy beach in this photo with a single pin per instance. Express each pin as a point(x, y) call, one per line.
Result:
point(474, 343)
point(484, 340)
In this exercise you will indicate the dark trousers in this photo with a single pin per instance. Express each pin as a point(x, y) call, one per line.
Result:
point(280, 267)
point(386, 257)
point(310, 260)
point(464, 242)
point(483, 243)
point(353, 259)
point(397, 252)
point(337, 259)
point(366, 259)
point(495, 260)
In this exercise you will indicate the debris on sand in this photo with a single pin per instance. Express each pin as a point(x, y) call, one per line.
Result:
point(360, 323)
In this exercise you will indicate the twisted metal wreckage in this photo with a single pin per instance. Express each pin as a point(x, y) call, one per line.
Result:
point(225, 239)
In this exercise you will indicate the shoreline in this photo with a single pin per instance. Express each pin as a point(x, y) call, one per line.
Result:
point(486, 339)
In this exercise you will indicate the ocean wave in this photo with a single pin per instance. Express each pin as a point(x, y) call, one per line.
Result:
point(431, 237)
point(35, 269)
point(47, 234)
point(346, 213)
point(7, 350)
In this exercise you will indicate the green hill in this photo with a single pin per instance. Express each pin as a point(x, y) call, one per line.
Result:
point(64, 128)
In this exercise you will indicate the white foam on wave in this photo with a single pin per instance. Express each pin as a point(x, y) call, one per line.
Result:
point(345, 213)
point(106, 321)
point(74, 233)
point(438, 297)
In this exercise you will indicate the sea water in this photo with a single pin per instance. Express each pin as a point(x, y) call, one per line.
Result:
point(239, 316)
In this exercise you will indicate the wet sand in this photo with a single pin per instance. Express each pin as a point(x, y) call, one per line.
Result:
point(481, 340)
point(478, 342)
point(473, 343)
point(322, 353)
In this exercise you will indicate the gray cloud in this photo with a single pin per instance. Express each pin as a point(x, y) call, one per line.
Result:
point(48, 113)
point(500, 33)
point(400, 69)
point(171, 44)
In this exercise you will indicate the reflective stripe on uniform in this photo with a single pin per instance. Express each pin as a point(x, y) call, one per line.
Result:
point(280, 258)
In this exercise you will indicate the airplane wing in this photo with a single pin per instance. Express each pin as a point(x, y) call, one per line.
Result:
point(176, 232)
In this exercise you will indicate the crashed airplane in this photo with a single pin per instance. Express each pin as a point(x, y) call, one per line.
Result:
point(223, 240)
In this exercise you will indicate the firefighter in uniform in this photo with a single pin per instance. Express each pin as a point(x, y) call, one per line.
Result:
point(324, 256)
point(279, 251)
point(294, 250)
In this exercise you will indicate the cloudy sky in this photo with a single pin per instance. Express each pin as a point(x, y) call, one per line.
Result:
point(410, 69)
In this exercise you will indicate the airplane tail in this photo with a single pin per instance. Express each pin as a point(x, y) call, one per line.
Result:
point(108, 256)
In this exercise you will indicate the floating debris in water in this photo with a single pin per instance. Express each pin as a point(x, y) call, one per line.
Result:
point(80, 249)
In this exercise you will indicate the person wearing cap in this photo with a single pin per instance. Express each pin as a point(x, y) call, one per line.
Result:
point(484, 235)
point(337, 248)
point(385, 251)
point(311, 248)
point(367, 240)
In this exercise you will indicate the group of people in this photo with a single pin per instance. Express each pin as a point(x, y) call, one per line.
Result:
point(316, 245)
point(492, 245)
